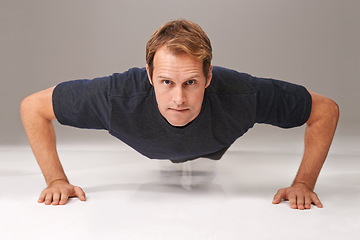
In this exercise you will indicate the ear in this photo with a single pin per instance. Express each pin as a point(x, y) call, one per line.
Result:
point(148, 73)
point(209, 77)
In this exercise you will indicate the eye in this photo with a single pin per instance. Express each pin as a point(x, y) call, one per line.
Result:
point(190, 82)
point(166, 82)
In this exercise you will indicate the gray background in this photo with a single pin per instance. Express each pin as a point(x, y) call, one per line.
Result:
point(310, 42)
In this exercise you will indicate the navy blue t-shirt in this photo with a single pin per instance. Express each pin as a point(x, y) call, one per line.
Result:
point(125, 105)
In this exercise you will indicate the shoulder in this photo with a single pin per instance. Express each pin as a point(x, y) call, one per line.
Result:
point(226, 80)
point(129, 83)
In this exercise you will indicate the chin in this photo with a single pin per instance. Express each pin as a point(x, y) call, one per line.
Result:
point(178, 123)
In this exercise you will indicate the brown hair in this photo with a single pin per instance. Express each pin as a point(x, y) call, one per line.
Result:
point(180, 36)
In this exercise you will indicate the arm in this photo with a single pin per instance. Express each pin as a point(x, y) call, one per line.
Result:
point(319, 133)
point(37, 115)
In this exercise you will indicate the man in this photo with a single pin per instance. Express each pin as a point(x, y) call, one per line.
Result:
point(179, 108)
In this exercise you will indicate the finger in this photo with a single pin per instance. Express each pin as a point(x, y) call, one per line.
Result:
point(42, 197)
point(278, 196)
point(80, 193)
point(308, 202)
point(300, 201)
point(316, 201)
point(64, 199)
point(48, 198)
point(56, 199)
point(292, 201)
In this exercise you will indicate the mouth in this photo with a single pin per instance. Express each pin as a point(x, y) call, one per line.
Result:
point(179, 109)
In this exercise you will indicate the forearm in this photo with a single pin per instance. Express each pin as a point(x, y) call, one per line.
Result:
point(42, 140)
point(318, 137)
point(317, 145)
point(41, 135)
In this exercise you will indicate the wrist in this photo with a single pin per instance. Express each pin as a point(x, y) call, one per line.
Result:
point(302, 184)
point(57, 181)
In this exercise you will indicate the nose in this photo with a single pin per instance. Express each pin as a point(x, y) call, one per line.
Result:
point(179, 96)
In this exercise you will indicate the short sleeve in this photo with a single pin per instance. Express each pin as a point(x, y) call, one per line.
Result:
point(281, 104)
point(83, 103)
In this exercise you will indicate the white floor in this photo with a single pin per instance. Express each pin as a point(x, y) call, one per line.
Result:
point(131, 197)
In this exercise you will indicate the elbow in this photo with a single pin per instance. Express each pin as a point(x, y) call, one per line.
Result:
point(26, 106)
point(325, 111)
point(333, 111)
point(38, 105)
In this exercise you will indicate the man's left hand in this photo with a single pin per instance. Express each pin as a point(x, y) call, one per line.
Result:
point(299, 196)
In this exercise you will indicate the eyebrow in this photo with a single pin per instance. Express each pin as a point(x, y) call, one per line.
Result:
point(195, 76)
point(191, 77)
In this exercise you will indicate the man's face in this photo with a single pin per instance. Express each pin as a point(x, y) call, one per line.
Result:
point(179, 84)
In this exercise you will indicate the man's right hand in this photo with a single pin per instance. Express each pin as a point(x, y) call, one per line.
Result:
point(37, 114)
point(59, 192)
